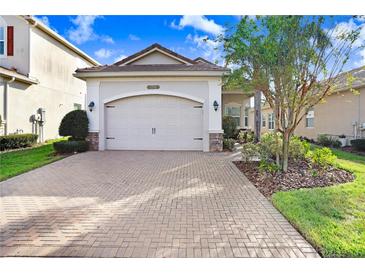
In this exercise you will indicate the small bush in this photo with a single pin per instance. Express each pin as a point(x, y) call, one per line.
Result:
point(268, 166)
point(245, 136)
point(75, 124)
point(250, 151)
point(71, 146)
point(269, 145)
point(229, 126)
point(358, 144)
point(298, 149)
point(17, 141)
point(322, 157)
point(228, 143)
point(328, 141)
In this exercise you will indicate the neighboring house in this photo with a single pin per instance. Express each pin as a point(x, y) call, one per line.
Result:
point(343, 112)
point(155, 99)
point(37, 86)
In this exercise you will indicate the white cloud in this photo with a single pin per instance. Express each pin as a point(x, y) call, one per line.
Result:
point(198, 22)
point(120, 57)
point(45, 21)
point(344, 27)
point(103, 53)
point(83, 30)
point(107, 39)
point(133, 37)
point(211, 49)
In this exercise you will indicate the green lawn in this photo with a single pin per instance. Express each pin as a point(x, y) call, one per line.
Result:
point(331, 218)
point(17, 162)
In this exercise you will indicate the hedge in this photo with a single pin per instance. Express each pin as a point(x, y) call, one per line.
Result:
point(358, 144)
point(14, 141)
point(71, 146)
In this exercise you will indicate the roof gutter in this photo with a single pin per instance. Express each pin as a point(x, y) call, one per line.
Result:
point(39, 25)
point(84, 75)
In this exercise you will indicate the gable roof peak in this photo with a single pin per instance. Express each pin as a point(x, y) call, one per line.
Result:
point(152, 48)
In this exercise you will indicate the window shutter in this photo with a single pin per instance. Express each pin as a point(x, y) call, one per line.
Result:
point(10, 41)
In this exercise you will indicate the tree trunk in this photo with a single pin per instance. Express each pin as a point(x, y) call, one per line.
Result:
point(257, 102)
point(277, 123)
point(286, 138)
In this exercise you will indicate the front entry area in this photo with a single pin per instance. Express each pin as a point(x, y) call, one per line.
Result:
point(154, 122)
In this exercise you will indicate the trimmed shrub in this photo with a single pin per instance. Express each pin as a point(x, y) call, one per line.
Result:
point(245, 136)
point(75, 124)
point(71, 146)
point(17, 141)
point(250, 151)
point(269, 145)
point(229, 126)
point(228, 143)
point(328, 141)
point(322, 157)
point(358, 144)
point(297, 148)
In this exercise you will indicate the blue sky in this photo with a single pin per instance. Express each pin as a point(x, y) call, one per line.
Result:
point(110, 38)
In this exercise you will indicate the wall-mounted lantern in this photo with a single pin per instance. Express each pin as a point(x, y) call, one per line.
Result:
point(215, 105)
point(91, 106)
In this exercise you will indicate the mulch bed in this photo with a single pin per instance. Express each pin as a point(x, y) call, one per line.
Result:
point(299, 175)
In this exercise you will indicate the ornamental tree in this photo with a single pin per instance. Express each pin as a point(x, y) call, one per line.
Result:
point(292, 60)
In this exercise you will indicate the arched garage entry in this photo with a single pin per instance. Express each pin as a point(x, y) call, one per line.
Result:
point(159, 121)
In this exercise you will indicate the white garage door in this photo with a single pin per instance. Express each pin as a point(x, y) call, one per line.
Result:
point(154, 122)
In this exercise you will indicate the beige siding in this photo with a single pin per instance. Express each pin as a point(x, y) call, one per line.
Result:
point(265, 113)
point(336, 116)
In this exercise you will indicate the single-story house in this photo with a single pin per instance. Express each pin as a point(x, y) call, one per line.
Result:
point(342, 112)
point(37, 86)
point(155, 99)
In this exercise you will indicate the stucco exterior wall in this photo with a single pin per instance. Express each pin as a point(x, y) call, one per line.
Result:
point(53, 65)
point(20, 60)
point(265, 111)
point(336, 115)
point(240, 100)
point(202, 89)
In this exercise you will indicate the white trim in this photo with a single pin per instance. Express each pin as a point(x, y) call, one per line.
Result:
point(151, 51)
point(215, 131)
point(152, 92)
point(84, 75)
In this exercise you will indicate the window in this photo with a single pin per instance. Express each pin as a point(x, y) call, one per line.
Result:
point(263, 120)
point(246, 117)
point(77, 106)
point(2, 39)
point(309, 119)
point(234, 112)
point(271, 121)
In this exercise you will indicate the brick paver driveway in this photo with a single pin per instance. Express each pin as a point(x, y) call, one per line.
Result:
point(142, 204)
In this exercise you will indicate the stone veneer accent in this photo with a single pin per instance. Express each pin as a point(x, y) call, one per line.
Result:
point(215, 142)
point(93, 139)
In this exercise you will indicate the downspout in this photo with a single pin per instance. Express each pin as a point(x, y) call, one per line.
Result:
point(6, 87)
